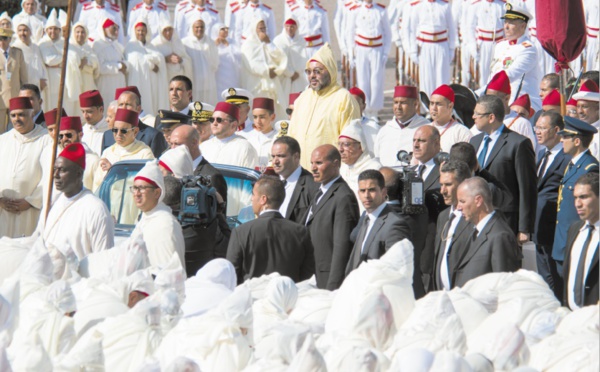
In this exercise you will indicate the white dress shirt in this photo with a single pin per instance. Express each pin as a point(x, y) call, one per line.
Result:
point(444, 274)
point(292, 180)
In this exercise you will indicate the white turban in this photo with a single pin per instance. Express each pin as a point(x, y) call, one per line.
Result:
point(152, 174)
point(178, 161)
point(354, 131)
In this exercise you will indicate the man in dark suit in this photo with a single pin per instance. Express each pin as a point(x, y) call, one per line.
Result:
point(32, 92)
point(13, 74)
point(426, 145)
point(418, 224)
point(270, 243)
point(331, 217)
point(379, 227)
point(576, 139)
point(510, 157)
point(453, 233)
point(551, 165)
point(131, 100)
point(493, 246)
point(300, 188)
point(581, 255)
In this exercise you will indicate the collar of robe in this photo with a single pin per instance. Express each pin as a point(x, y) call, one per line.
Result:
point(31, 136)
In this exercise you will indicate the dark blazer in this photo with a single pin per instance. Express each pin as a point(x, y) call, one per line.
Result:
point(460, 244)
point(547, 186)
point(388, 229)
point(494, 250)
point(330, 226)
point(567, 214)
point(512, 160)
point(41, 120)
point(500, 193)
point(216, 178)
point(302, 196)
point(271, 244)
point(150, 136)
point(590, 292)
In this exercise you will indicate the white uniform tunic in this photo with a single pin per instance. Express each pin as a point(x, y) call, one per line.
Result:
point(234, 150)
point(592, 22)
point(432, 29)
point(313, 26)
point(519, 58)
point(92, 15)
point(209, 15)
point(262, 144)
point(369, 33)
point(154, 15)
point(23, 167)
point(393, 137)
point(452, 133)
point(93, 134)
point(245, 16)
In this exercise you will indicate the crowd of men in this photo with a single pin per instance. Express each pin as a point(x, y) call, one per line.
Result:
point(520, 172)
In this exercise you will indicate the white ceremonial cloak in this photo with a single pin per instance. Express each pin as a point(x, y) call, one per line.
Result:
point(173, 46)
point(162, 234)
point(23, 167)
point(36, 25)
point(110, 53)
point(392, 138)
point(205, 62)
point(93, 134)
point(295, 52)
point(228, 73)
point(141, 60)
point(52, 57)
point(262, 143)
point(81, 222)
point(36, 70)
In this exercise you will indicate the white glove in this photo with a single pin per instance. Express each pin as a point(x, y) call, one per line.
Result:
point(352, 62)
point(414, 57)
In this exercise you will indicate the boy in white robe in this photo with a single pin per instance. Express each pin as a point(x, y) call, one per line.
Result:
point(263, 134)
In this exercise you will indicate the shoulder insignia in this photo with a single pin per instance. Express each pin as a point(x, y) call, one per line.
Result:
point(87, 6)
point(115, 8)
point(355, 6)
point(381, 5)
point(590, 166)
point(91, 39)
point(213, 10)
point(189, 10)
point(138, 6)
point(294, 7)
point(266, 6)
point(415, 3)
point(526, 44)
point(235, 10)
point(162, 5)
point(475, 2)
point(233, 4)
point(183, 3)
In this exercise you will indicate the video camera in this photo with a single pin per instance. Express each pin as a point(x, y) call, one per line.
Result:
point(198, 201)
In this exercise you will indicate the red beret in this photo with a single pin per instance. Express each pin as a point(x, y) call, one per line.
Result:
point(407, 91)
point(572, 102)
point(290, 21)
point(293, 97)
point(229, 109)
point(444, 91)
point(91, 98)
point(357, 92)
point(127, 116)
point(500, 83)
point(20, 103)
point(50, 116)
point(109, 22)
point(133, 89)
point(70, 123)
point(552, 99)
point(263, 103)
point(75, 153)
point(524, 102)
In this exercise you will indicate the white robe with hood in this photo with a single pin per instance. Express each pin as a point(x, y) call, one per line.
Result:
point(36, 70)
point(90, 71)
point(228, 73)
point(294, 48)
point(173, 46)
point(205, 61)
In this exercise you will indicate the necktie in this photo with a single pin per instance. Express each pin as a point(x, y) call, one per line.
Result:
point(580, 274)
point(6, 54)
point(543, 165)
point(313, 205)
point(284, 183)
point(483, 153)
point(422, 168)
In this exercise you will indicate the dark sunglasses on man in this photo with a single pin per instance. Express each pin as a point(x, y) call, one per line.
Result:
point(68, 135)
point(123, 131)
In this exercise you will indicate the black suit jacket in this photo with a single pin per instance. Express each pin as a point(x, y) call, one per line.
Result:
point(330, 226)
point(494, 250)
point(590, 292)
point(41, 120)
point(302, 196)
point(271, 244)
point(388, 229)
point(512, 160)
point(150, 136)
point(216, 178)
point(434, 201)
point(460, 244)
point(547, 187)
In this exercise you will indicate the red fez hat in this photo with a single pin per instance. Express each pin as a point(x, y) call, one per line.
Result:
point(263, 103)
point(91, 98)
point(524, 102)
point(50, 116)
point(109, 22)
point(229, 109)
point(589, 86)
point(552, 99)
point(139, 24)
point(572, 102)
point(290, 21)
point(70, 123)
point(293, 97)
point(20, 103)
point(133, 89)
point(407, 91)
point(357, 92)
point(500, 83)
point(75, 153)
point(127, 116)
point(444, 91)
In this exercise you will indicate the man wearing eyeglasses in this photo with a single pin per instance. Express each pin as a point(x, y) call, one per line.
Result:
point(576, 138)
point(71, 132)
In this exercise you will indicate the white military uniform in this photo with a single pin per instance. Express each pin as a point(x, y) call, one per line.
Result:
point(395, 13)
point(592, 19)
point(370, 35)
point(483, 30)
point(519, 58)
point(452, 133)
point(153, 14)
point(209, 15)
point(244, 17)
point(313, 26)
point(432, 29)
point(92, 15)
point(395, 136)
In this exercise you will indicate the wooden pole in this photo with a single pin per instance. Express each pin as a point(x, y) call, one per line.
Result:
point(61, 91)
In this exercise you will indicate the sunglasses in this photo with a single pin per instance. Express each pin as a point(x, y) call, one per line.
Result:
point(68, 135)
point(123, 131)
point(289, 111)
point(218, 120)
